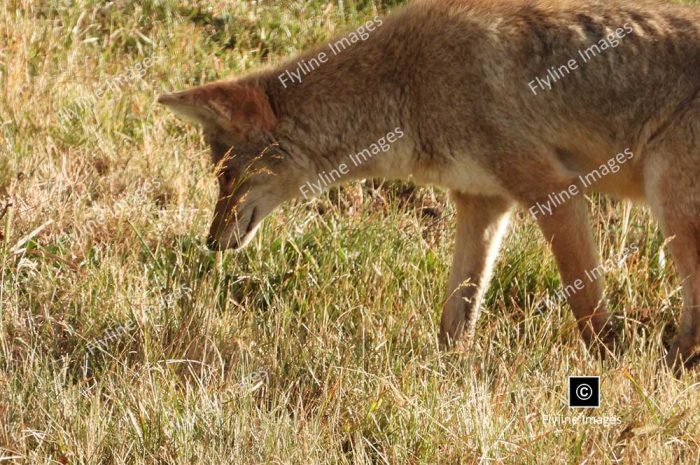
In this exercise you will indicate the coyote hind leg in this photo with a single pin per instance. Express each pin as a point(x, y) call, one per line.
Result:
point(674, 196)
point(568, 231)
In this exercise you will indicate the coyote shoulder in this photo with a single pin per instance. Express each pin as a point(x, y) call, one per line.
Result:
point(504, 103)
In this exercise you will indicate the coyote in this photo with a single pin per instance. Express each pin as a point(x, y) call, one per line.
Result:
point(505, 103)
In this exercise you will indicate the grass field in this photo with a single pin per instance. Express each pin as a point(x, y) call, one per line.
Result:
point(124, 341)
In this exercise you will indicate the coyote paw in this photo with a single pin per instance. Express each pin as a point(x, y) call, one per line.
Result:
point(457, 335)
point(607, 343)
point(682, 356)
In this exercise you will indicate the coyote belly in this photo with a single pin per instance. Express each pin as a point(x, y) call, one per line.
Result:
point(507, 105)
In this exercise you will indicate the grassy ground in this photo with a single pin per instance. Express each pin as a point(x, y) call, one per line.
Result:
point(122, 340)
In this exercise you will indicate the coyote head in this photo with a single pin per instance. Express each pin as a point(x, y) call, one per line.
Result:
point(255, 175)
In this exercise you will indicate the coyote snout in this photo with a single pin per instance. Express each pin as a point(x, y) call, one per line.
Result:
point(240, 208)
point(232, 227)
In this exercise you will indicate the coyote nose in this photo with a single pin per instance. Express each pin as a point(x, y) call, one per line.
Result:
point(212, 243)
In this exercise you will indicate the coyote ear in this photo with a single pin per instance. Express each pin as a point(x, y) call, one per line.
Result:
point(224, 105)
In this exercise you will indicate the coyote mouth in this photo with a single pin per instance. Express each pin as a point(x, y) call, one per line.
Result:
point(251, 223)
point(248, 229)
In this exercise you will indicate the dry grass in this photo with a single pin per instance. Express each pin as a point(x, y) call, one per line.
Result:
point(122, 340)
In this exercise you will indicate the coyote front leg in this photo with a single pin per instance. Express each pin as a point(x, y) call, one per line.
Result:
point(481, 222)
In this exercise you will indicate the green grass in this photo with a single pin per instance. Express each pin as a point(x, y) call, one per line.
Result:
point(123, 341)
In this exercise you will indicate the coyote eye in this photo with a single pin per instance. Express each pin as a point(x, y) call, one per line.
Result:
point(225, 177)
